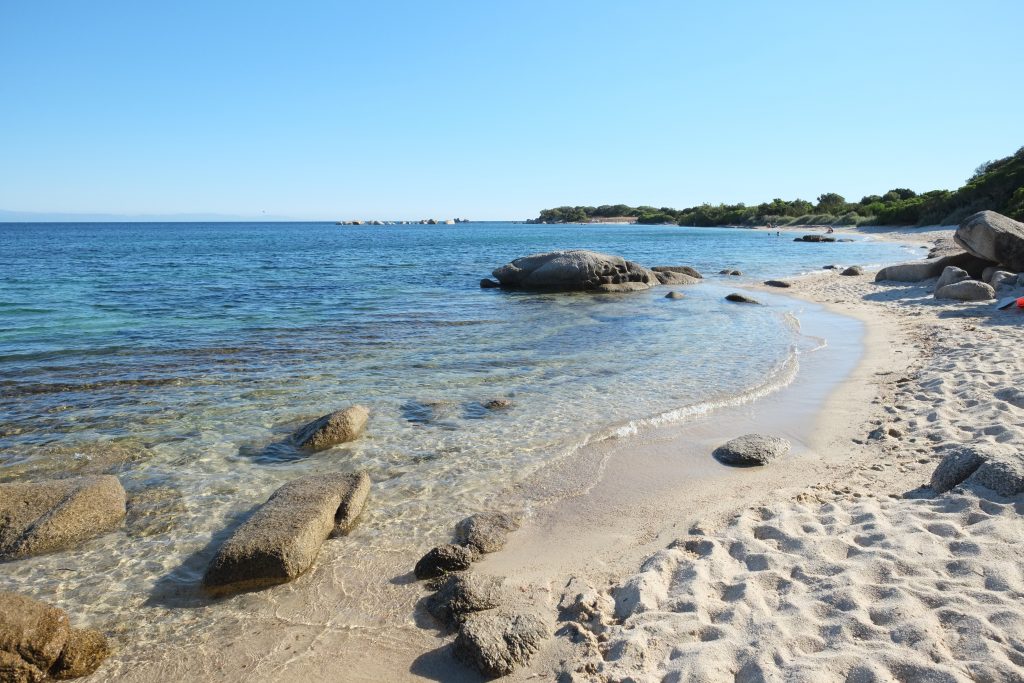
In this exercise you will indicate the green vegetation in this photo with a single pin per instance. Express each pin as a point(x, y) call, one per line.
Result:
point(996, 185)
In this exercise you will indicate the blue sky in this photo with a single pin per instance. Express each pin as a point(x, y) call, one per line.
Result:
point(404, 110)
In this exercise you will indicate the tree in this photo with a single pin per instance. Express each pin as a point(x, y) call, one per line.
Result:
point(830, 202)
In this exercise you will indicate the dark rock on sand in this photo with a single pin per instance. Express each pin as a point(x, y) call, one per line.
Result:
point(686, 270)
point(488, 283)
point(58, 514)
point(463, 593)
point(752, 449)
point(777, 283)
point(282, 538)
point(498, 641)
point(852, 271)
point(575, 271)
point(36, 641)
point(993, 237)
point(674, 295)
point(740, 299)
point(966, 290)
point(443, 559)
point(486, 532)
point(332, 429)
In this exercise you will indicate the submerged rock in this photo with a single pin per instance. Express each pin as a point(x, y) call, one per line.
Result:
point(53, 515)
point(498, 404)
point(730, 272)
point(496, 642)
point(486, 532)
point(463, 593)
point(488, 283)
point(741, 299)
point(752, 449)
point(575, 271)
point(282, 538)
point(444, 559)
point(37, 641)
point(332, 429)
point(674, 295)
point(966, 290)
point(993, 237)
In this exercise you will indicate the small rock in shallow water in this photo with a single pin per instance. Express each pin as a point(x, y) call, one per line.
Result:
point(487, 283)
point(498, 404)
point(674, 295)
point(338, 427)
point(486, 532)
point(443, 559)
point(740, 299)
point(752, 449)
point(84, 652)
point(498, 641)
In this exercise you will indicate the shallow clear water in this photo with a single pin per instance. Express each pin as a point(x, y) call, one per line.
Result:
point(180, 356)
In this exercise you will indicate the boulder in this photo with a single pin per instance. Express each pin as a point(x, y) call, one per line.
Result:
point(463, 593)
point(667, 277)
point(330, 430)
point(740, 299)
point(951, 275)
point(488, 283)
point(994, 237)
point(966, 290)
point(730, 272)
point(575, 271)
point(486, 532)
point(1003, 280)
point(53, 515)
point(853, 271)
point(831, 267)
point(752, 449)
point(958, 464)
point(777, 283)
point(917, 271)
point(444, 559)
point(37, 642)
point(282, 538)
point(496, 642)
point(986, 275)
point(1003, 474)
point(1001, 471)
point(686, 270)
point(675, 295)
point(815, 238)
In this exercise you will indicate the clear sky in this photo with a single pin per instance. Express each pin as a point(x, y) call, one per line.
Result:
point(491, 110)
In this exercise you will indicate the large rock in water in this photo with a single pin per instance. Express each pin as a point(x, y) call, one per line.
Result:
point(752, 449)
point(58, 514)
point(282, 538)
point(575, 271)
point(37, 642)
point(332, 429)
point(993, 237)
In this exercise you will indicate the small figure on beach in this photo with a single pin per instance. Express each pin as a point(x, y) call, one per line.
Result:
point(830, 230)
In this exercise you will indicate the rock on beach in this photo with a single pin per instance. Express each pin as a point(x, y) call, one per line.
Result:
point(281, 539)
point(993, 237)
point(498, 641)
point(443, 559)
point(966, 290)
point(43, 517)
point(752, 449)
point(486, 532)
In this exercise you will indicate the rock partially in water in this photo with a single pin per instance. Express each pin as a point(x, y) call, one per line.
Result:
point(332, 429)
point(815, 238)
point(37, 642)
point(730, 272)
point(778, 283)
point(498, 404)
point(463, 593)
point(282, 538)
point(741, 299)
point(674, 295)
point(853, 271)
point(53, 515)
point(673, 278)
point(486, 532)
point(488, 283)
point(576, 270)
point(497, 642)
point(685, 270)
point(752, 449)
point(444, 559)
point(993, 237)
point(966, 290)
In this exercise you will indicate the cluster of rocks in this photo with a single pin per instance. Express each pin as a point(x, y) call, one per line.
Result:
point(494, 635)
point(276, 544)
point(986, 260)
point(37, 642)
point(752, 450)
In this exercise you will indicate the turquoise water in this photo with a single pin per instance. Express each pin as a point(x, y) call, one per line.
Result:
point(180, 356)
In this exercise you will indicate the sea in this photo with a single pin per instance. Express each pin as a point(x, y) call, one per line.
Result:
point(181, 356)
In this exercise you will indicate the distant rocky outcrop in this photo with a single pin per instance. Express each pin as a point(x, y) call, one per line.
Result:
point(752, 449)
point(53, 515)
point(335, 428)
point(575, 271)
point(815, 238)
point(37, 642)
point(282, 538)
point(993, 237)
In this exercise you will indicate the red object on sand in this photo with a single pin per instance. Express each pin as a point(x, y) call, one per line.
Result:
point(1020, 302)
